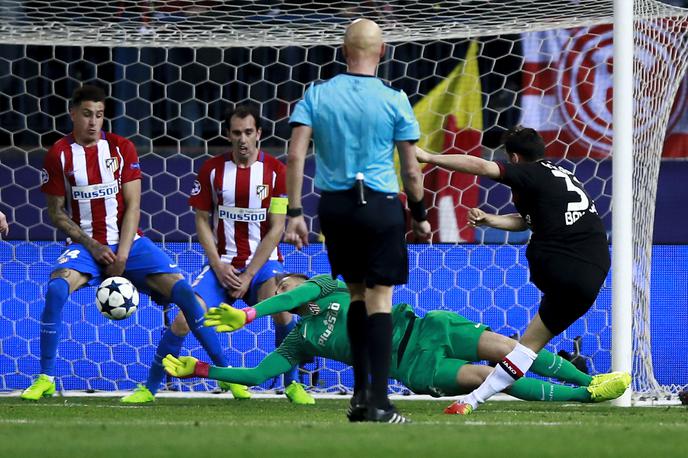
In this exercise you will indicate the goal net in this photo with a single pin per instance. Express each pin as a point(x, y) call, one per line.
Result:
point(472, 69)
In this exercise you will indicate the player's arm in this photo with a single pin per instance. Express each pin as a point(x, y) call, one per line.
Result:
point(297, 231)
point(131, 193)
point(205, 237)
point(271, 366)
point(412, 178)
point(510, 222)
point(226, 318)
point(61, 220)
point(461, 163)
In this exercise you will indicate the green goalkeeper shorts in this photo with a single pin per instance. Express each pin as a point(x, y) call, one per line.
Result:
point(443, 343)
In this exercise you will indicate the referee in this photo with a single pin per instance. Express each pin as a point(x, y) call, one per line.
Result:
point(355, 120)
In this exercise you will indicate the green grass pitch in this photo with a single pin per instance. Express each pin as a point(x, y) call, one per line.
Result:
point(102, 427)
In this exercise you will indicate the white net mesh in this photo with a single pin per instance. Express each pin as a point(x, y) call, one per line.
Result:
point(471, 68)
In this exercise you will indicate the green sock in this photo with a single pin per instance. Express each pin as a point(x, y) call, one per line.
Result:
point(530, 389)
point(548, 364)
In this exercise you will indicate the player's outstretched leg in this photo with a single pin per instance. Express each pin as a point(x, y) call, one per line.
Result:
point(548, 364)
point(51, 322)
point(169, 344)
point(187, 301)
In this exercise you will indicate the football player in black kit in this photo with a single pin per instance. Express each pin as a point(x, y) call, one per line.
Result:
point(568, 254)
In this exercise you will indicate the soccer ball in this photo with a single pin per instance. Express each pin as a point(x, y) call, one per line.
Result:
point(117, 298)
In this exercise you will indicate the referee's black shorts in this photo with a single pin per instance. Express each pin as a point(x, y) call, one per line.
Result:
point(569, 286)
point(365, 243)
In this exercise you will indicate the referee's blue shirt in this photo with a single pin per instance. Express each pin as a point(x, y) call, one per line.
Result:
point(355, 120)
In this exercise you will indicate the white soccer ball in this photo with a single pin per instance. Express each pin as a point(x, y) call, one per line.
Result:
point(117, 298)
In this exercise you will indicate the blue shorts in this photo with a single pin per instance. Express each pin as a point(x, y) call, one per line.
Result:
point(208, 287)
point(145, 258)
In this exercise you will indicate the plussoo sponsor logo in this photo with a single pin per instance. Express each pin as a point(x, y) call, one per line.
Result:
point(329, 321)
point(248, 215)
point(95, 191)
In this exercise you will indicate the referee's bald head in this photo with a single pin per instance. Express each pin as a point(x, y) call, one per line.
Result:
point(363, 38)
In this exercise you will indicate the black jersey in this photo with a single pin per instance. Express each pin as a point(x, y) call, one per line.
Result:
point(558, 210)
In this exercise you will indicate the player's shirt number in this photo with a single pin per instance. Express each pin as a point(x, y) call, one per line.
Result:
point(576, 208)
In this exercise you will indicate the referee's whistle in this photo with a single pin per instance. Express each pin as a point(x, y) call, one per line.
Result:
point(360, 188)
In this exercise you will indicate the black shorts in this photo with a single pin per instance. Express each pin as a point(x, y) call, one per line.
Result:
point(569, 286)
point(365, 243)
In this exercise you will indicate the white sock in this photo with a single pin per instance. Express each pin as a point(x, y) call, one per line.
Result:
point(50, 377)
point(512, 368)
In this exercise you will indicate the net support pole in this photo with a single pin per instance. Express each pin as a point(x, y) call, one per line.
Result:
point(622, 194)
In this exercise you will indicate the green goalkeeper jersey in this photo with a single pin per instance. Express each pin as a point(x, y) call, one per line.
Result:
point(325, 333)
point(321, 334)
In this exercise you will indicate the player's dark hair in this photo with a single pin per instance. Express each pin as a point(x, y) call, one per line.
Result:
point(242, 111)
point(87, 92)
point(525, 141)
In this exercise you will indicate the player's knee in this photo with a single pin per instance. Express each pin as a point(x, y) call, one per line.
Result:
point(282, 318)
point(73, 278)
point(164, 284)
point(179, 326)
point(471, 377)
point(494, 347)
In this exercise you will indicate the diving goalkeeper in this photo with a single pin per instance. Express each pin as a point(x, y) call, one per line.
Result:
point(430, 355)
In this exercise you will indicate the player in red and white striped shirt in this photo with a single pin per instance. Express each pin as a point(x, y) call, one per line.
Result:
point(96, 177)
point(243, 192)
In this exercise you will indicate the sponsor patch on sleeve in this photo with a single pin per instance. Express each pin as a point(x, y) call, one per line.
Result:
point(196, 189)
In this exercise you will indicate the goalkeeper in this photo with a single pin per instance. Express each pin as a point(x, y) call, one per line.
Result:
point(430, 355)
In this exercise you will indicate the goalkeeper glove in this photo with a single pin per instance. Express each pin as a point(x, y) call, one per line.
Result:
point(185, 367)
point(226, 318)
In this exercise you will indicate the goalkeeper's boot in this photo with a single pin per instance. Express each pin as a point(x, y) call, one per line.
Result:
point(297, 394)
point(42, 387)
point(141, 395)
point(603, 378)
point(238, 391)
point(605, 387)
point(459, 408)
point(357, 407)
point(388, 415)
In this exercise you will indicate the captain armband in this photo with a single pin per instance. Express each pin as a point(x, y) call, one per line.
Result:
point(278, 205)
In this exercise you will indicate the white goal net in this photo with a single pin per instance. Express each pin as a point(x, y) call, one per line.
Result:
point(471, 68)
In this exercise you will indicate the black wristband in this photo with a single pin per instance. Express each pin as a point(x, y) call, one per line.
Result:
point(291, 212)
point(418, 211)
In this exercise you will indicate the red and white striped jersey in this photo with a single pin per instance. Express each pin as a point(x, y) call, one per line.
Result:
point(91, 181)
point(239, 199)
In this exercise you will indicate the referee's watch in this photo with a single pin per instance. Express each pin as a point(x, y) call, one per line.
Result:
point(291, 212)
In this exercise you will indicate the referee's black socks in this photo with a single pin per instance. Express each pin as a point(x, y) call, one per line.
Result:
point(380, 351)
point(357, 328)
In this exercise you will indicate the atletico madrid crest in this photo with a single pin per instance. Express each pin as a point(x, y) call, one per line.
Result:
point(112, 164)
point(262, 191)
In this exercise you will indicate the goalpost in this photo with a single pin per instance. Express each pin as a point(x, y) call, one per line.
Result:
point(472, 69)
